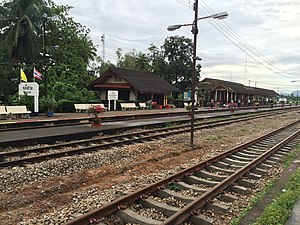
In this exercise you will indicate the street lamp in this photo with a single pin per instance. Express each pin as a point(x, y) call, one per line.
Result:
point(221, 15)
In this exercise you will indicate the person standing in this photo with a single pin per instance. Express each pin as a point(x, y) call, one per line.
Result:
point(212, 103)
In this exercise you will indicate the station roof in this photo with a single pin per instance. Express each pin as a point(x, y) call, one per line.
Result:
point(143, 82)
point(210, 83)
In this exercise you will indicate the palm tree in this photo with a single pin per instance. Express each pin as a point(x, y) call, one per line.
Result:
point(20, 24)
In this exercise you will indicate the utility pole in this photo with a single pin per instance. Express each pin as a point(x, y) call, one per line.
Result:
point(44, 58)
point(195, 33)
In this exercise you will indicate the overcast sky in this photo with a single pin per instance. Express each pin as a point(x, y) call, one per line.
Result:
point(257, 45)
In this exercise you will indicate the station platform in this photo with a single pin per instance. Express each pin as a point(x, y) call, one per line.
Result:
point(108, 114)
point(82, 127)
point(72, 124)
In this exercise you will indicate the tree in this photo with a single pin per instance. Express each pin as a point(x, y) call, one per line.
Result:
point(178, 56)
point(19, 23)
point(63, 54)
point(157, 60)
point(172, 61)
point(133, 60)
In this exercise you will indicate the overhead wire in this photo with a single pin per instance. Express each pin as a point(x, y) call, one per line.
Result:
point(241, 40)
point(237, 40)
point(184, 2)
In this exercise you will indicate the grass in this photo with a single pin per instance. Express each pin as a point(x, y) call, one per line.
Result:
point(280, 209)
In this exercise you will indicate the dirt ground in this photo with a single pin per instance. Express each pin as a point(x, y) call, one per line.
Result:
point(53, 194)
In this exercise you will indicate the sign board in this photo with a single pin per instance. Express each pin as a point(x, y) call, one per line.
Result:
point(29, 89)
point(112, 95)
point(187, 96)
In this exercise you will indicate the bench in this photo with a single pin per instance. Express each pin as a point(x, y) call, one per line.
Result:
point(20, 110)
point(3, 112)
point(143, 105)
point(84, 107)
point(80, 107)
point(128, 106)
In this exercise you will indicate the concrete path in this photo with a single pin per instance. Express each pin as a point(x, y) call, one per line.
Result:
point(295, 217)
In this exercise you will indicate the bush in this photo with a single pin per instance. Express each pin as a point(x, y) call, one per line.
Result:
point(65, 106)
point(23, 100)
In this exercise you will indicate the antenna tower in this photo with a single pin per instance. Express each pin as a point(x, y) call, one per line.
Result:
point(103, 47)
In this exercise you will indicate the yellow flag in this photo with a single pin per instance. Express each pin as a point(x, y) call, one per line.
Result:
point(23, 76)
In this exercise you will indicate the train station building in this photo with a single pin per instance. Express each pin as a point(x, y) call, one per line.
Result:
point(133, 86)
point(225, 91)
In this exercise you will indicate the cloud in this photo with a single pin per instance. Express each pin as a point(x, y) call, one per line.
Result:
point(265, 30)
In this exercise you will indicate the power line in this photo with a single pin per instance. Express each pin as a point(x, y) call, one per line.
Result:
point(242, 41)
point(185, 3)
point(237, 40)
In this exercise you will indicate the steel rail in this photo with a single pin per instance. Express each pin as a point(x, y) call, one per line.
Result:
point(167, 132)
point(185, 212)
point(91, 133)
point(130, 198)
point(80, 142)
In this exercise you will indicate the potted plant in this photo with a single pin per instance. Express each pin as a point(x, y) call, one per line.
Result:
point(50, 106)
point(189, 109)
point(95, 110)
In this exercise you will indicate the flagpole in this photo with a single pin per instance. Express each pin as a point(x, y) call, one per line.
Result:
point(33, 74)
point(20, 77)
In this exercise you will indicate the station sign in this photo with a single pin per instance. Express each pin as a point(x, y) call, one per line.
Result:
point(112, 95)
point(29, 89)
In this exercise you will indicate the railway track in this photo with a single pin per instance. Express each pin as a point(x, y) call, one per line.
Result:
point(39, 153)
point(20, 125)
point(82, 131)
point(185, 196)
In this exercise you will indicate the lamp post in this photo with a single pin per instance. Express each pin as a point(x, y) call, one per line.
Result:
point(218, 16)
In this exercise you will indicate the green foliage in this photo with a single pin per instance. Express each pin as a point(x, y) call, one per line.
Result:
point(172, 61)
point(170, 99)
point(178, 56)
point(290, 157)
point(253, 202)
point(280, 209)
point(66, 45)
point(65, 106)
point(133, 60)
point(22, 100)
point(20, 20)
point(41, 34)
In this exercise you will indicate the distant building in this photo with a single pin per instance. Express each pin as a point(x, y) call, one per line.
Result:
point(133, 86)
point(226, 91)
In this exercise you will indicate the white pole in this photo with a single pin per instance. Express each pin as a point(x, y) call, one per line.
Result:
point(36, 103)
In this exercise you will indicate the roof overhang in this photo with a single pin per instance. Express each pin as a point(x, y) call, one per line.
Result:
point(115, 86)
